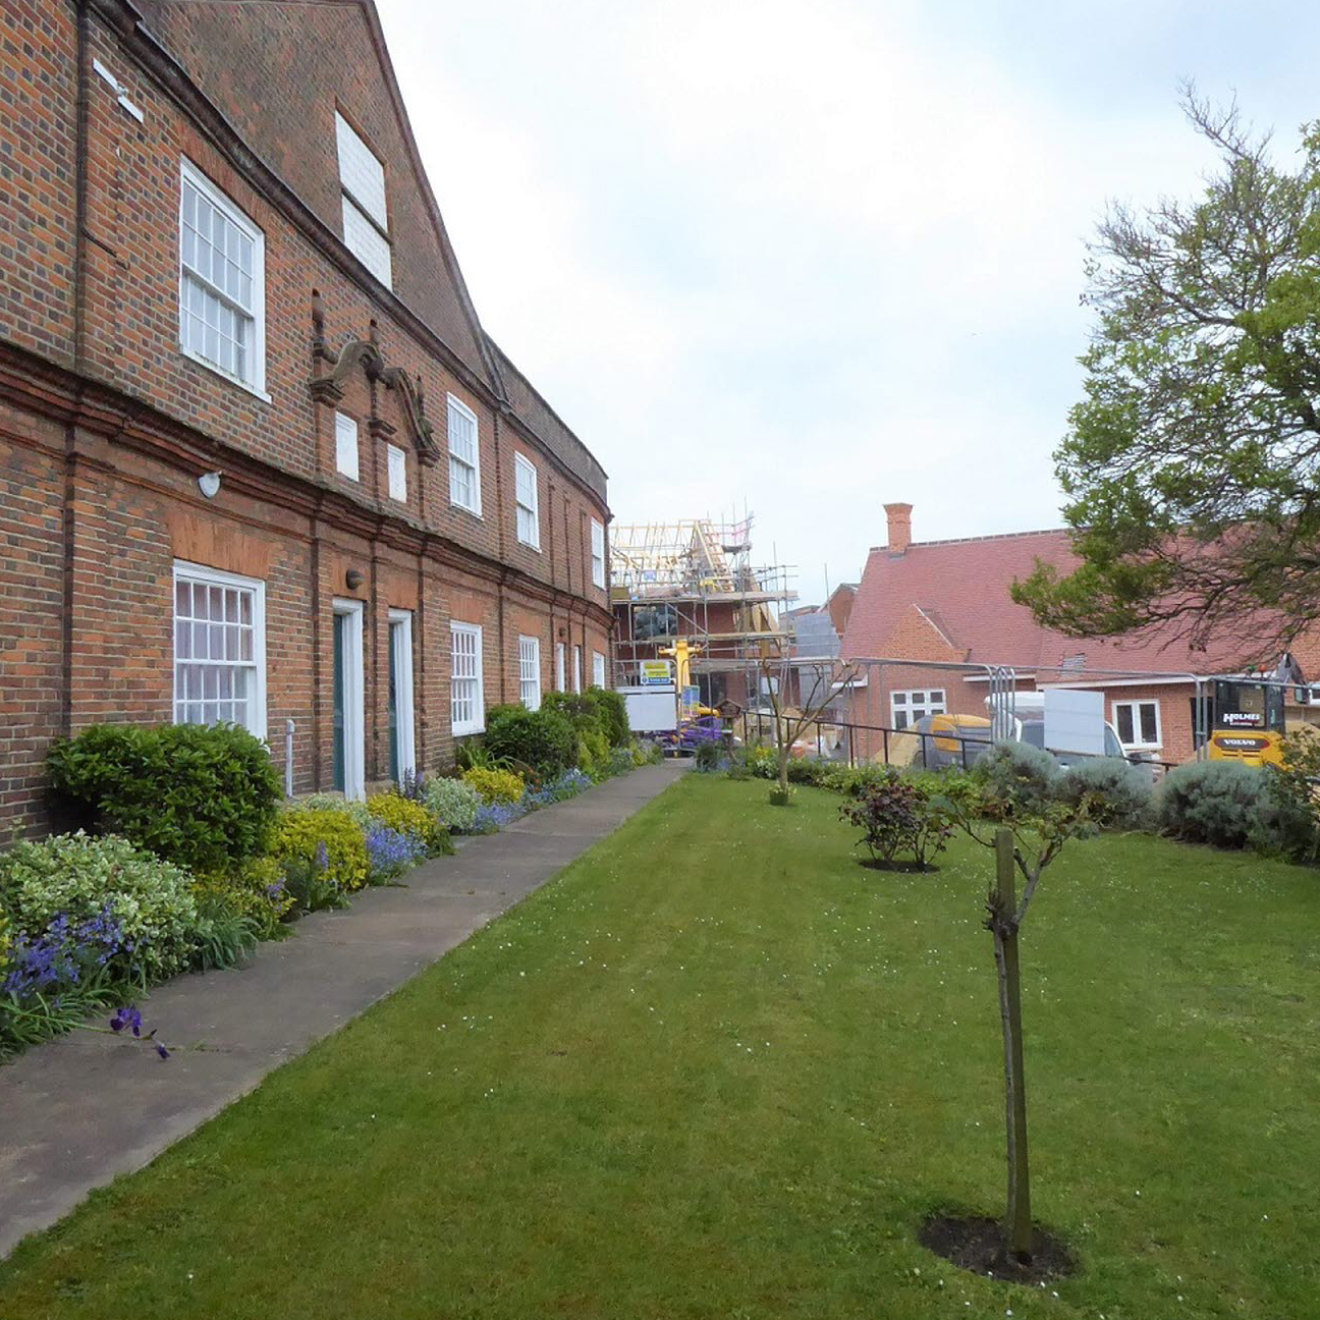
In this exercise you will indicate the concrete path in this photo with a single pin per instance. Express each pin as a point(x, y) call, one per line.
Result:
point(79, 1111)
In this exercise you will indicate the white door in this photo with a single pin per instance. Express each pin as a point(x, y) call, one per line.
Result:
point(403, 758)
point(350, 772)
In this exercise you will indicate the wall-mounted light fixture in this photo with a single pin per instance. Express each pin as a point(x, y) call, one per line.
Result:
point(209, 484)
point(353, 578)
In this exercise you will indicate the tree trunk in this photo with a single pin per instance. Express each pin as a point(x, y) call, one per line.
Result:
point(1017, 1218)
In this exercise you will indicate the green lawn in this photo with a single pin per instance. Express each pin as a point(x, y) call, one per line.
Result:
point(720, 1070)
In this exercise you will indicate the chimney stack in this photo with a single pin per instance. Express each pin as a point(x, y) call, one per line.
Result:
point(900, 527)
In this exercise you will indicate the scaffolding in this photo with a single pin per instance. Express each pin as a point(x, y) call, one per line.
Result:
point(694, 580)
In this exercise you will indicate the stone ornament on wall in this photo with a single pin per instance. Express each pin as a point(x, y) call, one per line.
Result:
point(365, 355)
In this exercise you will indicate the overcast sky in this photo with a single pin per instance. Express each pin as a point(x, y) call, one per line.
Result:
point(813, 257)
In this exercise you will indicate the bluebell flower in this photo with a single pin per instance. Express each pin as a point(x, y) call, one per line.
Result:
point(390, 851)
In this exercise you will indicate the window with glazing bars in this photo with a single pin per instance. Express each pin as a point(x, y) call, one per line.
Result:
point(221, 276)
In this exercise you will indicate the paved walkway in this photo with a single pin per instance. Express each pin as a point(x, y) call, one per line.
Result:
point(85, 1108)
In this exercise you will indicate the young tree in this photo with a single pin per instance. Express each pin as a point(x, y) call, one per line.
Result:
point(818, 682)
point(1025, 842)
point(1192, 464)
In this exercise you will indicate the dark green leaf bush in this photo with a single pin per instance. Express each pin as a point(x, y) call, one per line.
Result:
point(543, 739)
point(899, 814)
point(199, 797)
point(611, 715)
point(1118, 792)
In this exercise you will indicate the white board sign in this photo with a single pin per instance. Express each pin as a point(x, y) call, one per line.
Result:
point(1075, 721)
point(651, 709)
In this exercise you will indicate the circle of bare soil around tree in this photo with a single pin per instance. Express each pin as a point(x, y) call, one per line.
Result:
point(975, 1242)
point(898, 868)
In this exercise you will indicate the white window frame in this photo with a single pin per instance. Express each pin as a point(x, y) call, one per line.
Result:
point(347, 447)
point(902, 703)
point(527, 516)
point(355, 700)
point(457, 406)
point(405, 698)
point(189, 173)
point(560, 680)
point(477, 723)
point(577, 668)
point(598, 675)
point(396, 472)
point(357, 209)
point(597, 552)
point(529, 671)
point(184, 571)
point(1134, 708)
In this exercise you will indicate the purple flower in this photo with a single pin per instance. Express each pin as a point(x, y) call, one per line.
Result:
point(128, 1016)
point(322, 856)
point(390, 852)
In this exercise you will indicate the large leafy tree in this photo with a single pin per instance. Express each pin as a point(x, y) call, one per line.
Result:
point(1192, 465)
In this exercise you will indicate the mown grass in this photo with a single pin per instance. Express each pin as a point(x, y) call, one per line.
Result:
point(720, 1070)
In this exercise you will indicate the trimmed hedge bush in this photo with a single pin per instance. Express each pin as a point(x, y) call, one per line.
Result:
point(199, 797)
point(543, 739)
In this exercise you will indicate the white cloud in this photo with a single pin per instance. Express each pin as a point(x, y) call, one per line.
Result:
point(811, 255)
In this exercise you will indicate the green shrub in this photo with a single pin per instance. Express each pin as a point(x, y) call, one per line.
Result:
point(199, 797)
point(594, 754)
point(355, 810)
point(760, 762)
point(646, 751)
point(495, 785)
point(707, 757)
point(1224, 803)
point(1017, 779)
point(326, 840)
point(807, 770)
point(543, 739)
point(83, 878)
point(1118, 793)
point(453, 802)
point(611, 715)
point(899, 814)
point(409, 817)
point(256, 889)
point(225, 934)
point(1292, 791)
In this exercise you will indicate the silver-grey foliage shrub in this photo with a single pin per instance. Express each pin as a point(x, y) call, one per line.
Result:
point(1223, 803)
point(1118, 791)
point(1019, 776)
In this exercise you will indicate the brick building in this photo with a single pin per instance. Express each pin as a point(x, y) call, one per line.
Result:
point(219, 254)
point(948, 603)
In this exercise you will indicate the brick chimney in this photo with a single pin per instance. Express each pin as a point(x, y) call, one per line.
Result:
point(900, 527)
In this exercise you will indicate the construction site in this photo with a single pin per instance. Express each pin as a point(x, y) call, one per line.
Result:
point(690, 593)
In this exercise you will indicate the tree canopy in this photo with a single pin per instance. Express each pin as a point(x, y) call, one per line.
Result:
point(1191, 467)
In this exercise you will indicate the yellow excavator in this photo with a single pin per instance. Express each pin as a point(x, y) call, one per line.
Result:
point(1247, 713)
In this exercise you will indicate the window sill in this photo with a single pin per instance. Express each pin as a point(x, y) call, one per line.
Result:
point(463, 508)
point(529, 545)
point(467, 730)
point(223, 374)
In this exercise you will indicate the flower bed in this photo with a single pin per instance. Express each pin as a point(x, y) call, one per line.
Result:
point(88, 922)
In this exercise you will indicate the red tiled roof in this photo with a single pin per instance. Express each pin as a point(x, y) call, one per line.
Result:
point(963, 587)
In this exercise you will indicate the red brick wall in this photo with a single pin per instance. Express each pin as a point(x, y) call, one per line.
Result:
point(37, 165)
point(98, 494)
